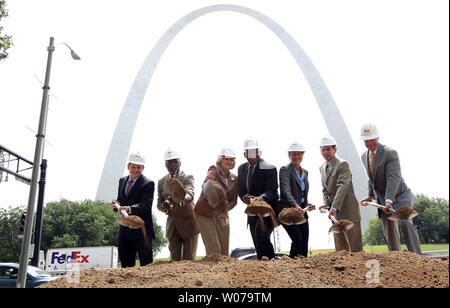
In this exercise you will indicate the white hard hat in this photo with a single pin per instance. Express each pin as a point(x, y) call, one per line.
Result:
point(296, 147)
point(136, 158)
point(251, 143)
point(171, 154)
point(227, 153)
point(368, 131)
point(327, 140)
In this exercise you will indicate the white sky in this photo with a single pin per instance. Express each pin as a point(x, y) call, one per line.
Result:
point(225, 77)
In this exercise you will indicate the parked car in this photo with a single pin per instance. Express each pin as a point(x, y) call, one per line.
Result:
point(253, 256)
point(35, 276)
point(242, 251)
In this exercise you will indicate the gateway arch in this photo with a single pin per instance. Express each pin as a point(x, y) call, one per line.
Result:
point(117, 154)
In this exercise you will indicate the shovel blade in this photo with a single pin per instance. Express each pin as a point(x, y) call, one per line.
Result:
point(341, 226)
point(403, 213)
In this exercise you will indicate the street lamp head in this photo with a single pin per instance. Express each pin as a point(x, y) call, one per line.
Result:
point(74, 55)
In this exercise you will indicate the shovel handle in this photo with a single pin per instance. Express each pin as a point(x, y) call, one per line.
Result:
point(379, 206)
point(309, 208)
point(117, 205)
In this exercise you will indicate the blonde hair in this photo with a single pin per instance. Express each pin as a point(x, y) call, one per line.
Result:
point(220, 159)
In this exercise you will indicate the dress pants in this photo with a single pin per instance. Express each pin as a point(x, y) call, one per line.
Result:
point(299, 235)
point(216, 237)
point(131, 241)
point(183, 249)
point(392, 234)
point(261, 236)
point(354, 236)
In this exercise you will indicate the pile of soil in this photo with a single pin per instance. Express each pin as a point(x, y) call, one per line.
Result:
point(335, 269)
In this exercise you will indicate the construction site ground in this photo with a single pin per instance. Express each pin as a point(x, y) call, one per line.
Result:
point(329, 270)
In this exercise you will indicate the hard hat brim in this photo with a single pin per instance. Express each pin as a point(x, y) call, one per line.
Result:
point(369, 137)
point(136, 163)
point(172, 158)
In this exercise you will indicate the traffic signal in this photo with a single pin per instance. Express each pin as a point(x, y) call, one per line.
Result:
point(22, 223)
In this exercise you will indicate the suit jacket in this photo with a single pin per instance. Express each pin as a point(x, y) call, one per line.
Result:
point(338, 191)
point(215, 173)
point(290, 188)
point(387, 181)
point(181, 218)
point(140, 200)
point(264, 182)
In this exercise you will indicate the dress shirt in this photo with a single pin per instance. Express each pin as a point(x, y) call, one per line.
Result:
point(302, 183)
point(126, 188)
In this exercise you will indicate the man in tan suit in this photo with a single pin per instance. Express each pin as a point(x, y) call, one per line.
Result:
point(338, 193)
point(181, 228)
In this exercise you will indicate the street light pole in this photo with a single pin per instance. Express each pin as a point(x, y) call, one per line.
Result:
point(40, 138)
point(23, 263)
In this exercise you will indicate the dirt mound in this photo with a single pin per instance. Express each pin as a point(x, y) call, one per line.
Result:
point(335, 270)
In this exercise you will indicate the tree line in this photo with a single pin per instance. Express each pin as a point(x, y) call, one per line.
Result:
point(93, 223)
point(432, 223)
point(68, 224)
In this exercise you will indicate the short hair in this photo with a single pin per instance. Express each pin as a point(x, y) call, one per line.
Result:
point(220, 159)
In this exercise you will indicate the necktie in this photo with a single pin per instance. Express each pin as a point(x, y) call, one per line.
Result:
point(372, 162)
point(250, 177)
point(130, 185)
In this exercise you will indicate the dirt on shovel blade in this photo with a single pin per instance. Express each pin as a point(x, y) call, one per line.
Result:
point(403, 213)
point(341, 226)
point(331, 270)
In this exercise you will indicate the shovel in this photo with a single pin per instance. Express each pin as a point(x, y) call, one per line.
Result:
point(132, 222)
point(403, 213)
point(117, 206)
point(338, 228)
point(309, 208)
point(340, 237)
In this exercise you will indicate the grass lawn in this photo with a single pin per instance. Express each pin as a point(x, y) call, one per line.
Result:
point(384, 248)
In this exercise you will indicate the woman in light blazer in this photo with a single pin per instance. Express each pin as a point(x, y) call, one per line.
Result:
point(294, 188)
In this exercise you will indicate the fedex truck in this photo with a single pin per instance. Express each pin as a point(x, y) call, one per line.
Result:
point(63, 260)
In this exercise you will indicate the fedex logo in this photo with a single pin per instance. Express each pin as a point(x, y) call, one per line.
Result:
point(75, 257)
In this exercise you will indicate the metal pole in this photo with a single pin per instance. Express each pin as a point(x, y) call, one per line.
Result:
point(39, 215)
point(23, 263)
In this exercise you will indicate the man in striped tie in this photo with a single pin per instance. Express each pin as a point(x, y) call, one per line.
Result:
point(135, 195)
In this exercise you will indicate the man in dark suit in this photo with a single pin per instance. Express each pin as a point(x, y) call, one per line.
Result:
point(258, 178)
point(135, 196)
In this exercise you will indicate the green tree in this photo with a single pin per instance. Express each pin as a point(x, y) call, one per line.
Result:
point(69, 224)
point(433, 219)
point(86, 223)
point(374, 234)
point(5, 40)
point(9, 226)
point(432, 223)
